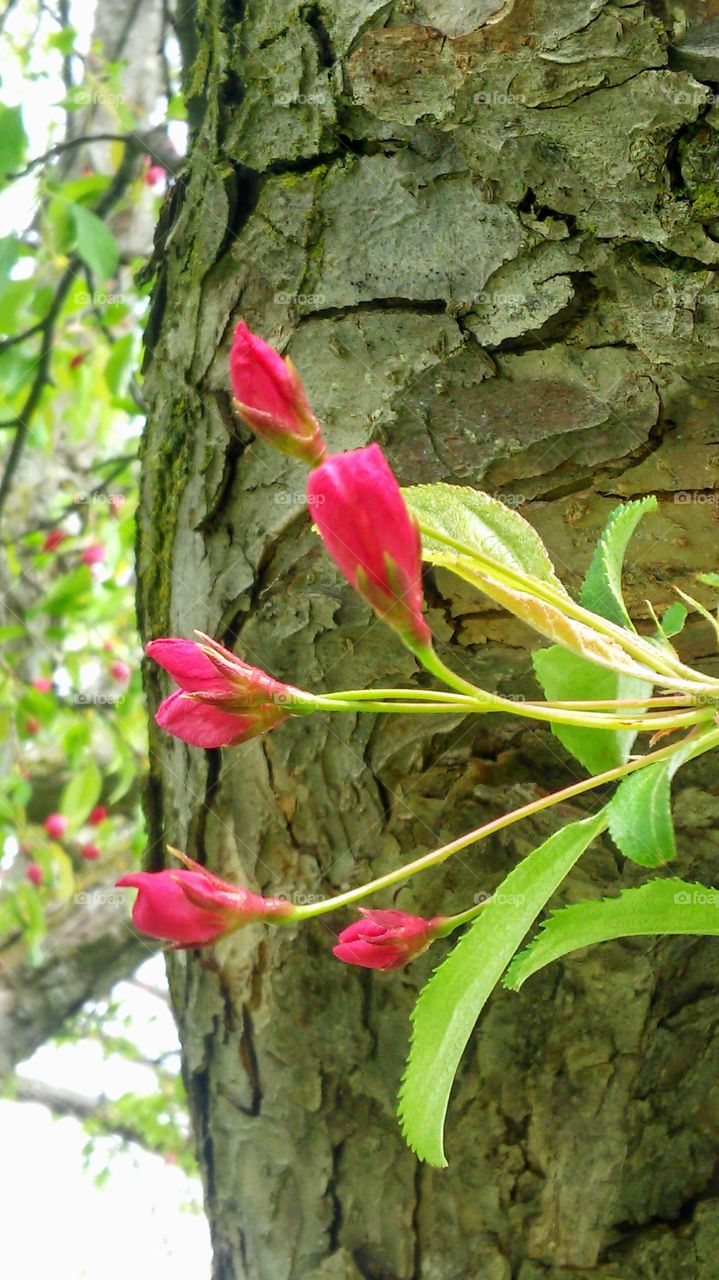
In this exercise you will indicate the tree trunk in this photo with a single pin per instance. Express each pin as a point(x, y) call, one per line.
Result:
point(486, 235)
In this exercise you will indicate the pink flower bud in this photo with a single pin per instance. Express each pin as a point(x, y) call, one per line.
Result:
point(115, 503)
point(43, 684)
point(79, 358)
point(98, 815)
point(56, 825)
point(53, 539)
point(94, 554)
point(32, 726)
point(222, 700)
point(90, 852)
point(153, 173)
point(364, 523)
point(34, 873)
point(193, 908)
point(120, 671)
point(270, 398)
point(385, 939)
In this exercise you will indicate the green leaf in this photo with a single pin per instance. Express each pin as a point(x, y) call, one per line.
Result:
point(95, 245)
point(482, 525)
point(70, 593)
point(12, 140)
point(640, 817)
point(119, 364)
point(710, 579)
point(602, 588)
point(659, 907)
point(567, 677)
point(639, 813)
point(458, 990)
point(673, 619)
point(81, 794)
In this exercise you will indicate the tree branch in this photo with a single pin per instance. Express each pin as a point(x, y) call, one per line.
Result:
point(99, 1111)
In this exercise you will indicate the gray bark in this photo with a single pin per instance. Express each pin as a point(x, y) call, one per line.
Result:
point(496, 255)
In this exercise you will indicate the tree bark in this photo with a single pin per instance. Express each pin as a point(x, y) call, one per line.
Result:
point(486, 234)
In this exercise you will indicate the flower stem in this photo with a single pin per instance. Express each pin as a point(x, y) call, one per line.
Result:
point(670, 670)
point(556, 714)
point(437, 856)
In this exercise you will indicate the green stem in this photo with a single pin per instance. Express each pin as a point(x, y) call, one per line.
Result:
point(556, 715)
point(437, 856)
point(420, 695)
point(670, 669)
point(450, 923)
point(405, 708)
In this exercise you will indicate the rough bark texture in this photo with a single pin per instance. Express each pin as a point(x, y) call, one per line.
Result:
point(486, 235)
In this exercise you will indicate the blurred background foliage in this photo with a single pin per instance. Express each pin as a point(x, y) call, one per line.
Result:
point(91, 135)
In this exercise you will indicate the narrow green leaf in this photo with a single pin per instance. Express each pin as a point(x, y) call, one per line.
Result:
point(640, 817)
point(95, 245)
point(602, 588)
point(639, 813)
point(673, 619)
point(567, 677)
point(81, 794)
point(659, 907)
point(456, 993)
point(119, 365)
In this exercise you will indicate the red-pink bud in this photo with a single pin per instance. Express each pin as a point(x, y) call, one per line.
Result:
point(43, 684)
point(56, 824)
point(32, 726)
point(194, 907)
point(98, 815)
point(153, 173)
point(270, 398)
point(34, 873)
point(120, 671)
point(90, 852)
point(385, 939)
point(364, 523)
point(222, 700)
point(115, 503)
point(79, 358)
point(94, 554)
point(53, 539)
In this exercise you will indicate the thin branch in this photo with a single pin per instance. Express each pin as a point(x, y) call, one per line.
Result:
point(57, 150)
point(100, 1111)
point(106, 202)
